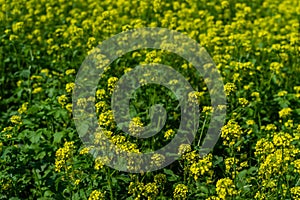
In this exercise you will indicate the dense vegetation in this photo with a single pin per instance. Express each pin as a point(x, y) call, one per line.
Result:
point(255, 45)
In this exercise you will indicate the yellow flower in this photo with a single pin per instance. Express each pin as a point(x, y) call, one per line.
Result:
point(295, 191)
point(136, 188)
point(194, 96)
point(231, 133)
point(85, 150)
point(69, 107)
point(160, 178)
point(229, 88)
point(224, 4)
point(296, 164)
point(17, 26)
point(62, 100)
point(7, 129)
point(250, 122)
point(23, 108)
point(285, 112)
point(100, 106)
point(91, 42)
point(35, 77)
point(191, 157)
point(225, 188)
point(82, 102)
point(150, 190)
point(19, 83)
point(270, 127)
point(111, 84)
point(100, 94)
point(169, 134)
point(96, 195)
point(244, 102)
point(70, 71)
point(264, 147)
point(157, 4)
point(282, 139)
point(37, 90)
point(135, 126)
point(13, 37)
point(297, 89)
point(275, 67)
point(201, 167)
point(70, 87)
point(77, 181)
point(256, 95)
point(282, 93)
point(63, 154)
point(230, 163)
point(106, 119)
point(207, 109)
point(157, 160)
point(100, 162)
point(184, 148)
point(15, 119)
point(180, 191)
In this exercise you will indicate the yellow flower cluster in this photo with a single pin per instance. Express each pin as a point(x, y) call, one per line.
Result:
point(180, 191)
point(226, 189)
point(285, 112)
point(255, 45)
point(101, 106)
point(63, 154)
point(231, 133)
point(85, 150)
point(106, 120)
point(37, 90)
point(150, 189)
point(96, 195)
point(135, 126)
point(100, 94)
point(282, 140)
point(207, 109)
point(111, 83)
point(70, 87)
point(201, 167)
point(169, 134)
point(276, 153)
point(100, 162)
point(62, 100)
point(23, 108)
point(184, 149)
point(160, 178)
point(295, 192)
point(136, 188)
point(296, 164)
point(194, 96)
point(157, 160)
point(70, 71)
point(15, 119)
point(230, 163)
point(229, 88)
point(244, 102)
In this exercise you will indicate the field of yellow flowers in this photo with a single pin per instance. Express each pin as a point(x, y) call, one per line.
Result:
point(255, 46)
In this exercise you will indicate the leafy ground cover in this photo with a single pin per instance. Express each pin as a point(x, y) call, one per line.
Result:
point(255, 45)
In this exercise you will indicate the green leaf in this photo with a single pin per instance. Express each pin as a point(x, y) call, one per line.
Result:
point(57, 137)
point(172, 176)
point(34, 137)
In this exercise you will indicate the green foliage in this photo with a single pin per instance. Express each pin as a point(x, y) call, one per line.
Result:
point(255, 45)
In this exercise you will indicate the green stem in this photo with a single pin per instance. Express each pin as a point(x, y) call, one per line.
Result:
point(110, 184)
point(202, 129)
